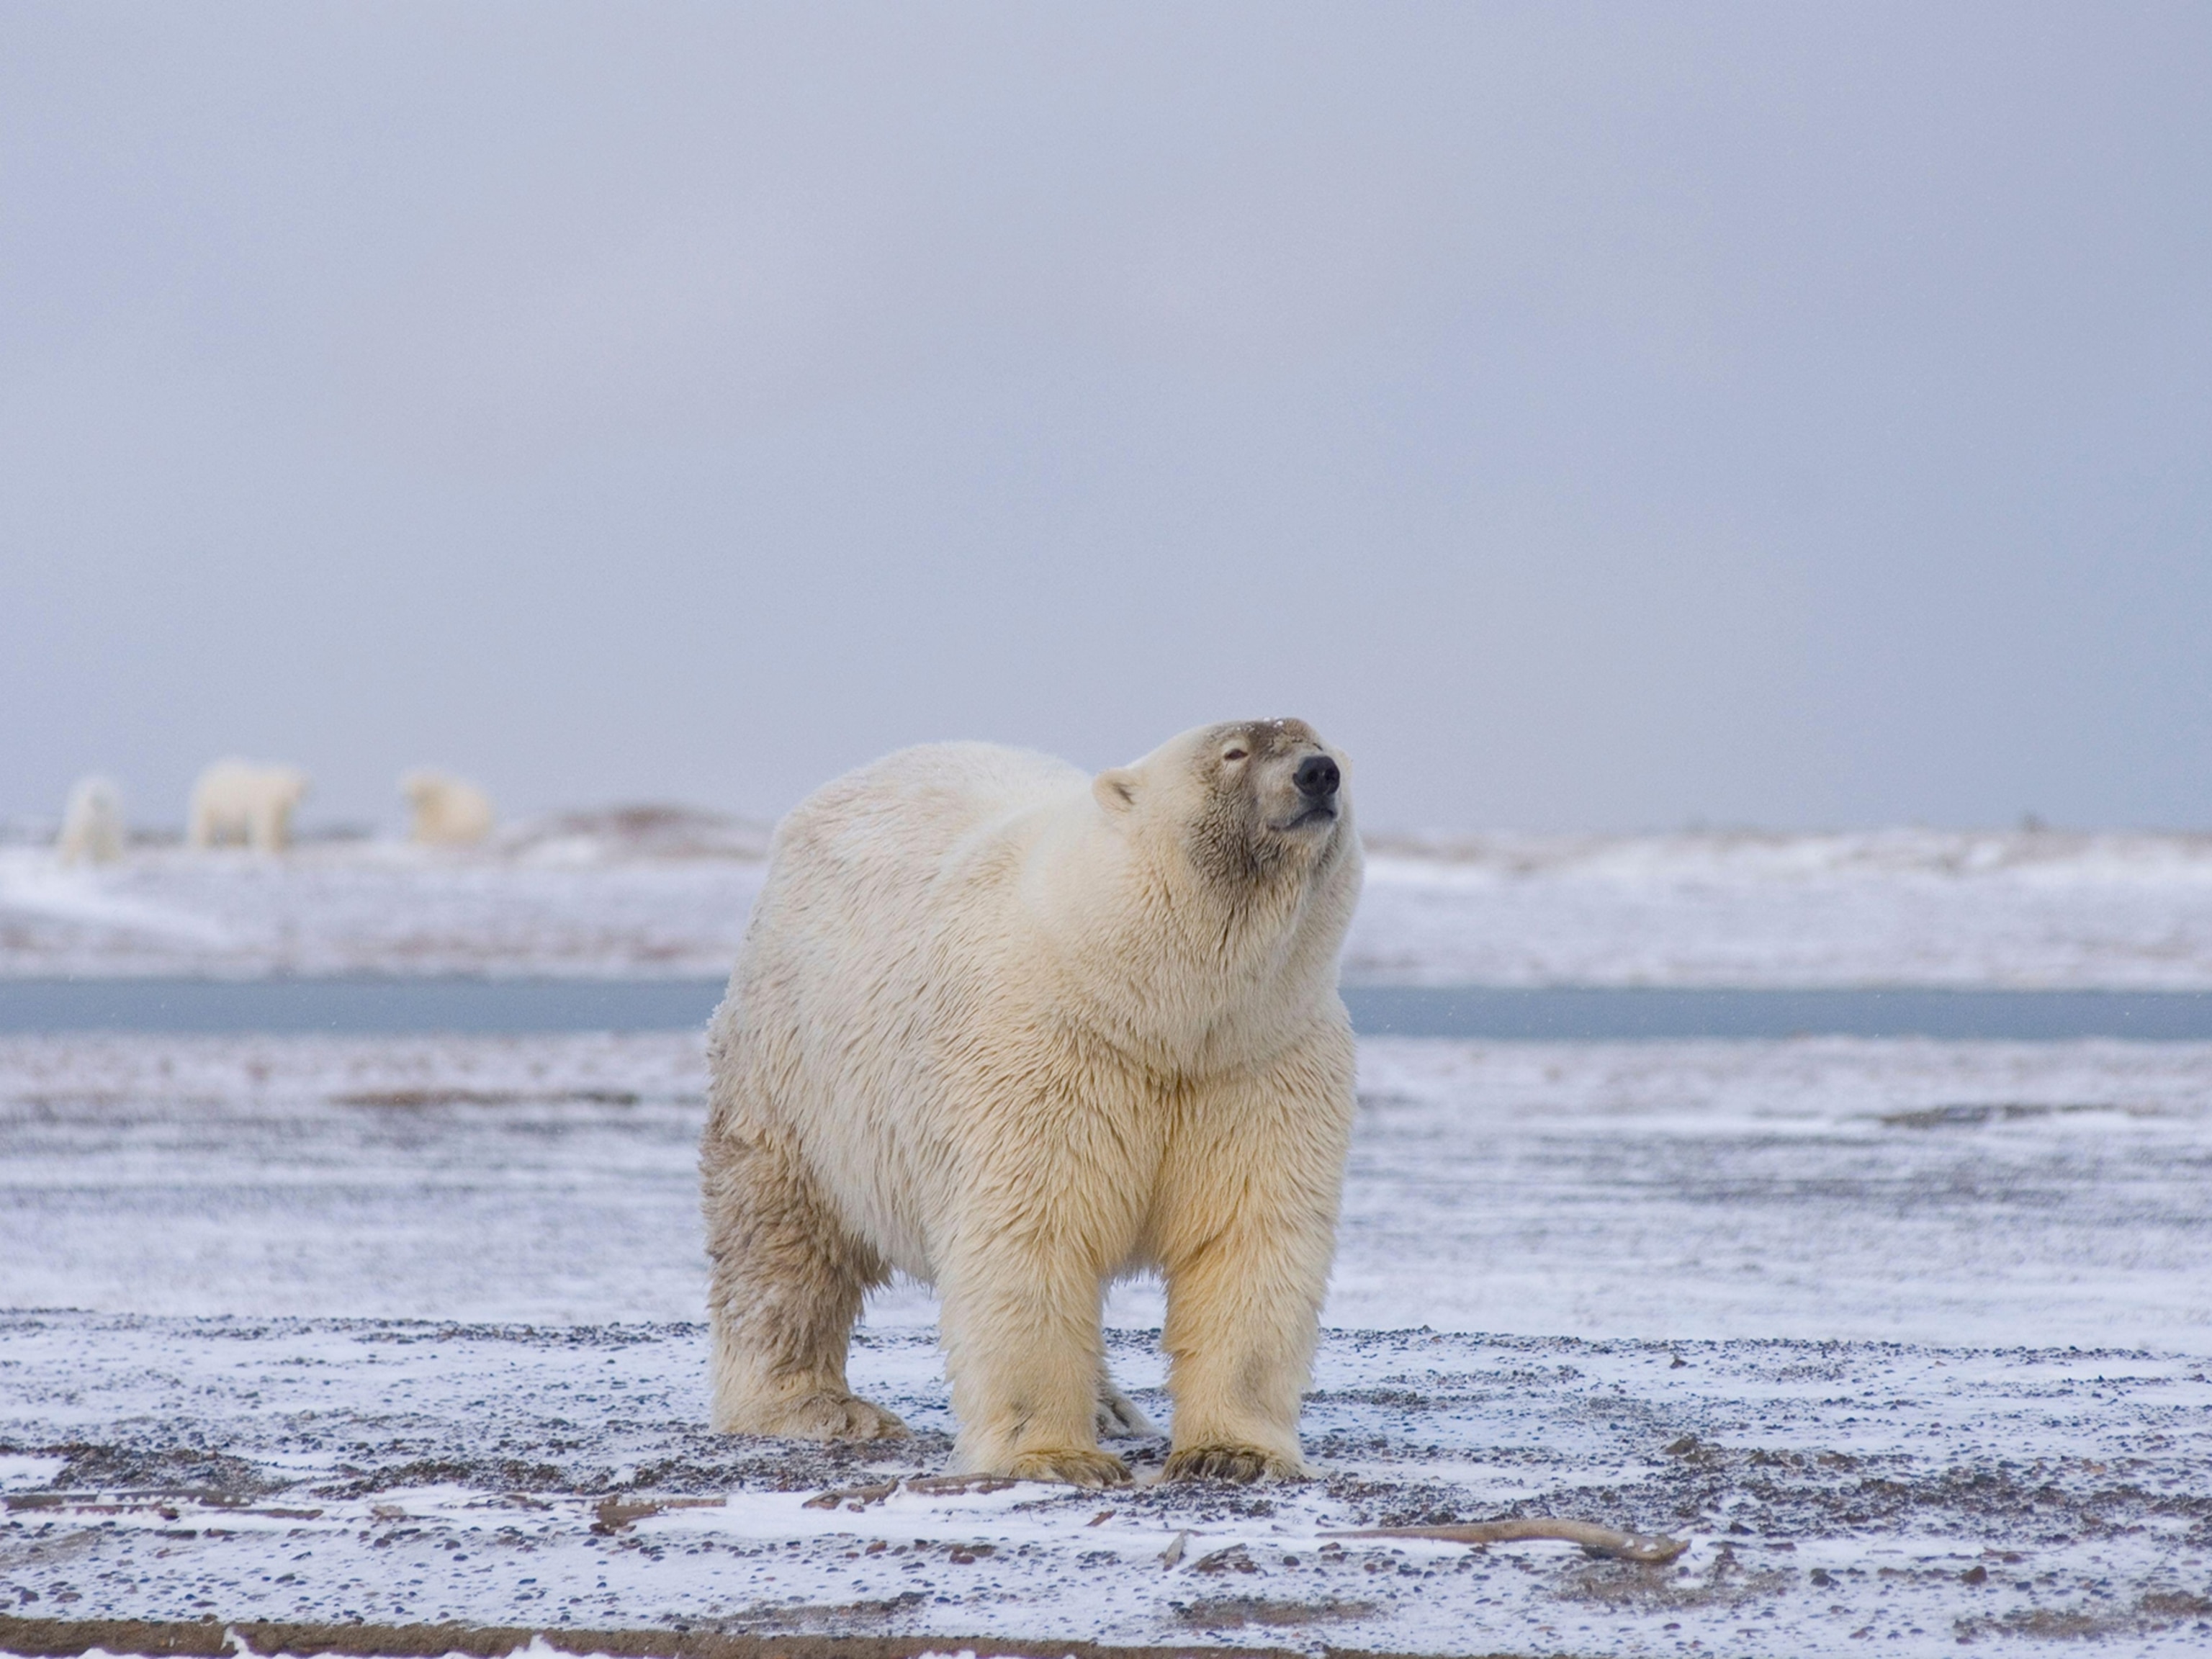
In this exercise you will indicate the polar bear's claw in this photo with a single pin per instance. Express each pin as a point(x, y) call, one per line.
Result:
point(1231, 1462)
point(1119, 1418)
point(829, 1416)
point(1074, 1466)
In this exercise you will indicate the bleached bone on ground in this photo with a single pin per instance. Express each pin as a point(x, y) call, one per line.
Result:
point(1647, 1549)
point(236, 799)
point(92, 824)
point(446, 810)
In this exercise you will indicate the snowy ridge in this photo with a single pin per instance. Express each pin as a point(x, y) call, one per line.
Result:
point(2061, 857)
point(560, 906)
point(655, 892)
point(2030, 910)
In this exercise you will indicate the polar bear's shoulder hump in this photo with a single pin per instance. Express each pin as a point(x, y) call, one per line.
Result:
point(933, 794)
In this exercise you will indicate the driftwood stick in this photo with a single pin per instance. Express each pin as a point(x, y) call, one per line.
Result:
point(614, 1513)
point(859, 1498)
point(856, 1497)
point(957, 1483)
point(1647, 1549)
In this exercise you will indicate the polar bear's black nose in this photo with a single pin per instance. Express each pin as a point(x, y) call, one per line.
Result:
point(1316, 777)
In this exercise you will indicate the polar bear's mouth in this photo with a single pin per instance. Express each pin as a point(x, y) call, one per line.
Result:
point(1321, 812)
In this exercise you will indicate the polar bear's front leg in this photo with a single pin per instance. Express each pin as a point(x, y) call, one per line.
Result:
point(270, 828)
point(1024, 1352)
point(1248, 1228)
point(1020, 1291)
point(1053, 1185)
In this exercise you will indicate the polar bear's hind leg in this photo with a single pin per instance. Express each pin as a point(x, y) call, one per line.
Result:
point(1120, 1418)
point(788, 1283)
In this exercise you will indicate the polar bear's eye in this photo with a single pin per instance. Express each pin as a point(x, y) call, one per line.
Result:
point(1233, 754)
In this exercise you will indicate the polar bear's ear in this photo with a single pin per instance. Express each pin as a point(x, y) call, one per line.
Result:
point(1116, 788)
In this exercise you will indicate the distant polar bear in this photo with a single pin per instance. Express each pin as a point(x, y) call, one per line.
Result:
point(92, 824)
point(1018, 1032)
point(447, 810)
point(237, 800)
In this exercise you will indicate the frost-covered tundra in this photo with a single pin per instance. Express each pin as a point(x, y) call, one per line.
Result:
point(92, 824)
point(237, 800)
point(1018, 1032)
point(444, 811)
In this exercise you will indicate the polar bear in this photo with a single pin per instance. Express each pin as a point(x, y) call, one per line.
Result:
point(92, 823)
point(445, 810)
point(1017, 1032)
point(254, 804)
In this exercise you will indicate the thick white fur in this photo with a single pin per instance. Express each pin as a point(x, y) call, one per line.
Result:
point(444, 811)
point(235, 799)
point(1017, 1033)
point(92, 824)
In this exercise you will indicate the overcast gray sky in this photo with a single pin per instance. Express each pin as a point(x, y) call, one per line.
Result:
point(1611, 416)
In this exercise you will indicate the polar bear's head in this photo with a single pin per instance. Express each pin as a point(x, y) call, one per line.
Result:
point(1247, 802)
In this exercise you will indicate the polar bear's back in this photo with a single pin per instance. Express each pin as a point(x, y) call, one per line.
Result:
point(843, 963)
point(444, 811)
point(855, 872)
point(892, 823)
point(235, 796)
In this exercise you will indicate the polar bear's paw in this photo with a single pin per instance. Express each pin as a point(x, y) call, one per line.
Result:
point(1118, 1416)
point(1073, 1466)
point(1231, 1460)
point(827, 1414)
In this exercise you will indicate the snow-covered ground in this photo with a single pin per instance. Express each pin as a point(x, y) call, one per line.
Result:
point(403, 1472)
point(1910, 1339)
point(2027, 908)
point(1927, 1192)
point(1904, 1337)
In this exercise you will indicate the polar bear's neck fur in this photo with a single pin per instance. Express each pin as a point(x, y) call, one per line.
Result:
point(1188, 934)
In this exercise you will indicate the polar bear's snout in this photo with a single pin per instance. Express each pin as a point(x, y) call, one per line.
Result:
point(1317, 778)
